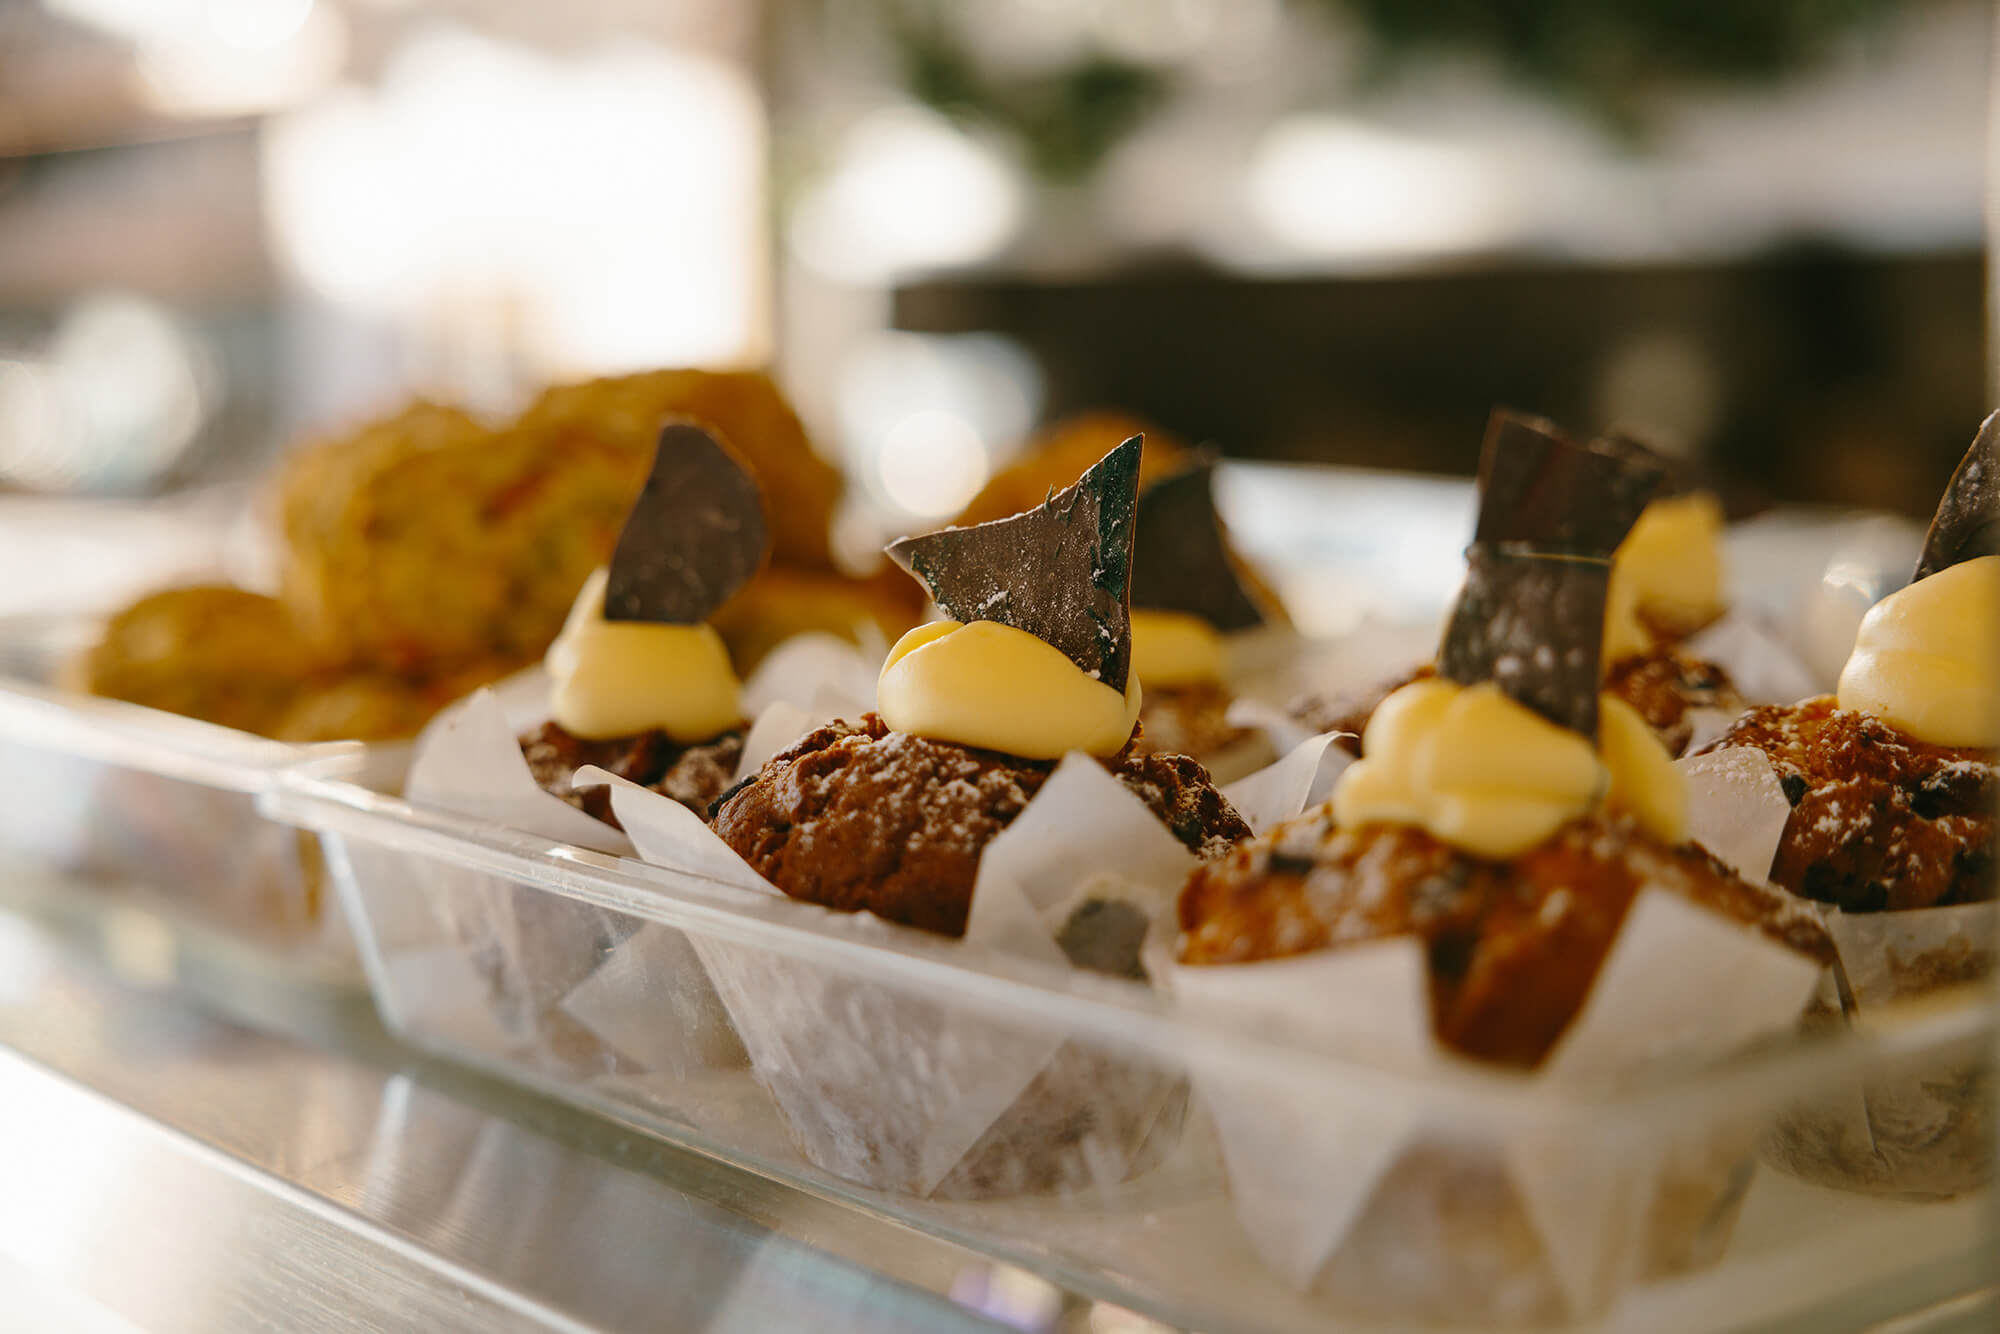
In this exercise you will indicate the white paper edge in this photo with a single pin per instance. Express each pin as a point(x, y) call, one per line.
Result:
point(1736, 808)
point(1300, 778)
point(1668, 954)
point(1082, 821)
point(469, 760)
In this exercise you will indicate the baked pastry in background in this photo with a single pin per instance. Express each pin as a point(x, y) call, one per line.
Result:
point(1055, 456)
point(744, 408)
point(426, 553)
point(208, 651)
point(784, 601)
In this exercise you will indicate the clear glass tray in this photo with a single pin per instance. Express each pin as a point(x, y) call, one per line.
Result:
point(105, 804)
point(1078, 1126)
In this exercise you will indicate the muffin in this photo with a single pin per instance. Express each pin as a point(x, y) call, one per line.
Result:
point(639, 683)
point(1519, 829)
point(1890, 834)
point(895, 813)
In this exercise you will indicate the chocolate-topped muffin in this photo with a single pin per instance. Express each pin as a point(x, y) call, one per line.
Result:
point(1521, 832)
point(857, 817)
point(1025, 694)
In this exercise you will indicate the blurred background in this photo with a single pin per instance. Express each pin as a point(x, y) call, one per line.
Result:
point(1331, 230)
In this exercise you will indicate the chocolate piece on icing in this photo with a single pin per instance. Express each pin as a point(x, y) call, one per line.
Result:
point(1967, 522)
point(1180, 554)
point(1061, 571)
point(1678, 476)
point(1530, 617)
point(695, 535)
point(1537, 485)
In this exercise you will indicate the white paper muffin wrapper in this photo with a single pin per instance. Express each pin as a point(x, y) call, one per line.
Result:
point(1680, 983)
point(528, 958)
point(884, 1085)
point(1302, 776)
point(1761, 661)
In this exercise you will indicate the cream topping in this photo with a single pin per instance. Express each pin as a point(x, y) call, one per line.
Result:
point(1927, 658)
point(1669, 567)
point(998, 688)
point(1493, 778)
point(619, 678)
point(1172, 648)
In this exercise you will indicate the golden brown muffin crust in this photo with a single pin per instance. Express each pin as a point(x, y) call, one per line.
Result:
point(856, 816)
point(1512, 947)
point(1880, 820)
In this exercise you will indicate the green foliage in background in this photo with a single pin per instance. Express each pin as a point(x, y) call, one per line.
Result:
point(1605, 57)
point(1608, 56)
point(1065, 120)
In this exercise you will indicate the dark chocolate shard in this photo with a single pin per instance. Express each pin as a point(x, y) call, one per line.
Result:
point(694, 537)
point(1061, 571)
point(1181, 559)
point(1967, 522)
point(1530, 617)
point(1678, 476)
point(1533, 625)
point(1539, 486)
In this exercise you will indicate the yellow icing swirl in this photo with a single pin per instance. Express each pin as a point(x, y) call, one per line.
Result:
point(1669, 567)
point(1172, 648)
point(617, 678)
point(1927, 658)
point(1493, 778)
point(999, 688)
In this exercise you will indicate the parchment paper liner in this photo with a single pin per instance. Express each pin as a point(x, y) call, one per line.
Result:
point(1406, 1211)
point(555, 980)
point(923, 1096)
point(1922, 1128)
point(1766, 667)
